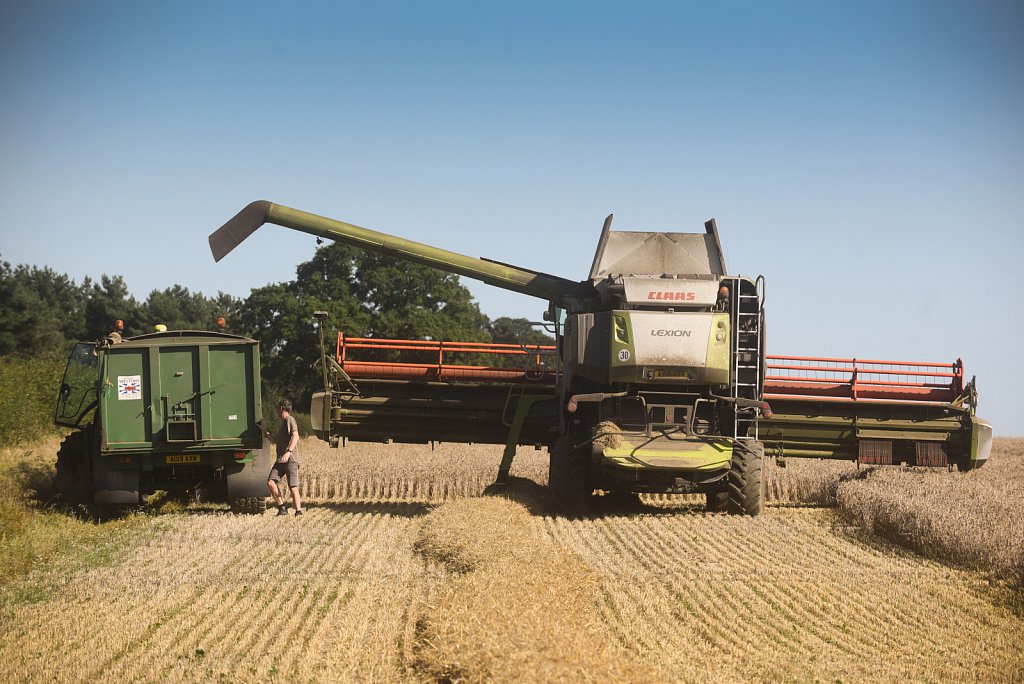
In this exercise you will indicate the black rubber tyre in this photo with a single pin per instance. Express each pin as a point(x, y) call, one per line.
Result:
point(73, 480)
point(253, 505)
point(569, 478)
point(718, 500)
point(744, 485)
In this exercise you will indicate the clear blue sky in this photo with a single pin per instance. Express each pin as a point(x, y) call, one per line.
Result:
point(866, 157)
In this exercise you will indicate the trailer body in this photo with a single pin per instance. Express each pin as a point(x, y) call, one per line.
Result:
point(165, 411)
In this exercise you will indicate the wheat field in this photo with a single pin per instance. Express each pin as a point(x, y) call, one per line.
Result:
point(409, 567)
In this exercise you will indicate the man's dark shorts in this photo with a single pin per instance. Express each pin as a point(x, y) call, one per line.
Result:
point(289, 468)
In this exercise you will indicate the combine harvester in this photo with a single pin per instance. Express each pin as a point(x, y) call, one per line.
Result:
point(658, 381)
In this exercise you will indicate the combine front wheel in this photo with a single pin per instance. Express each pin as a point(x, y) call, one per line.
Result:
point(744, 487)
point(569, 477)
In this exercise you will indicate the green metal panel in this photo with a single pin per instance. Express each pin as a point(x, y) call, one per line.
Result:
point(716, 365)
point(620, 363)
point(125, 396)
point(174, 393)
point(644, 453)
point(178, 393)
point(230, 403)
point(836, 429)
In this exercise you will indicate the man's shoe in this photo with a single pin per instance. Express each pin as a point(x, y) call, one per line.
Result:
point(298, 513)
point(282, 510)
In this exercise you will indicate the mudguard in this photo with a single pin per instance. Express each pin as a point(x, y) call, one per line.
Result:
point(112, 486)
point(247, 480)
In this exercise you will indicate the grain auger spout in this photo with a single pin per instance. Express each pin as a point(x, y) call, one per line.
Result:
point(565, 293)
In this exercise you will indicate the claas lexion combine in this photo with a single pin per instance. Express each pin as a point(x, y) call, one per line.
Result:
point(658, 380)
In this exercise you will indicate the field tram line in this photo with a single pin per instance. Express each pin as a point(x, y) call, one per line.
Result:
point(208, 639)
point(871, 565)
point(751, 564)
point(625, 546)
point(257, 636)
point(219, 626)
point(102, 672)
point(665, 535)
point(800, 608)
point(167, 622)
point(202, 619)
point(863, 622)
point(420, 594)
point(207, 620)
point(570, 535)
point(360, 591)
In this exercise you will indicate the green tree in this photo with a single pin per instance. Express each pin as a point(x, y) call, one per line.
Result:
point(106, 302)
point(40, 310)
point(518, 331)
point(365, 295)
point(507, 330)
point(179, 309)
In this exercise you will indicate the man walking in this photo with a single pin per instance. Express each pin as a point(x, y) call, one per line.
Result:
point(286, 441)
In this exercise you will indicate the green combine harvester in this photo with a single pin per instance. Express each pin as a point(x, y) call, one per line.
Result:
point(658, 380)
point(174, 411)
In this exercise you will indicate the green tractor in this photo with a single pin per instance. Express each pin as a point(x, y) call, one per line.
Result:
point(175, 411)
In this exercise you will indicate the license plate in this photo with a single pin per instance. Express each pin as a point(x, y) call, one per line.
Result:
point(184, 458)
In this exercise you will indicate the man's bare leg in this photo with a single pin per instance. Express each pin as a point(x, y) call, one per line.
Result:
point(276, 493)
point(295, 499)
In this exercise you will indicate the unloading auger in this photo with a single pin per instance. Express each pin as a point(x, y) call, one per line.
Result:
point(659, 380)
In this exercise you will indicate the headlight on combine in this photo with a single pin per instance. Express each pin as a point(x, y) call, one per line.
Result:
point(621, 334)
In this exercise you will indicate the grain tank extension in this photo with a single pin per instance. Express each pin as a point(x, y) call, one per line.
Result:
point(657, 386)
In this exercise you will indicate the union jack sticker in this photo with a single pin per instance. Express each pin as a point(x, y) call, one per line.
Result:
point(129, 387)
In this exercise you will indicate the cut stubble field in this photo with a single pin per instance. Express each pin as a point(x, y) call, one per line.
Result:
point(409, 566)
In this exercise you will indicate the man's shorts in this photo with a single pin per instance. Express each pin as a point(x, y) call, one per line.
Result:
point(289, 468)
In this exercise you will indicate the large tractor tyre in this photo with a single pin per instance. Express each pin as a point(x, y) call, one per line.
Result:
point(569, 478)
point(744, 485)
point(73, 480)
point(250, 505)
point(718, 500)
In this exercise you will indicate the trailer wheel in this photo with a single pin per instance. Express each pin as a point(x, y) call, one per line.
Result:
point(250, 505)
point(73, 480)
point(569, 477)
point(744, 486)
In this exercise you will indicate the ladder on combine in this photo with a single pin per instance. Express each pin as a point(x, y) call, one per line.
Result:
point(747, 375)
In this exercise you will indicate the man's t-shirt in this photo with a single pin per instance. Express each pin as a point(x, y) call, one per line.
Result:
point(284, 435)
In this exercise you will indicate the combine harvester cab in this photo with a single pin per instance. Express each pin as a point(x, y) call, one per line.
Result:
point(657, 381)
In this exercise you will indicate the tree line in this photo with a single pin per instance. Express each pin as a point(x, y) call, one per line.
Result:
point(43, 313)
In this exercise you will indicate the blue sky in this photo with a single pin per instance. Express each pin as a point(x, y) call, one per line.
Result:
point(866, 158)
